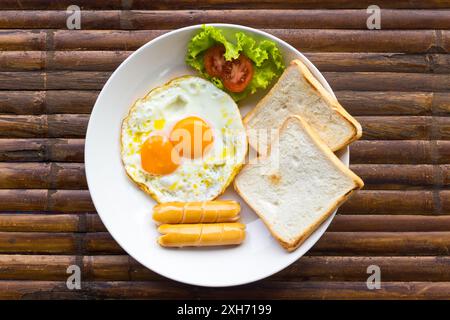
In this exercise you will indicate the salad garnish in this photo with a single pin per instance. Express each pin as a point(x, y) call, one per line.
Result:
point(240, 67)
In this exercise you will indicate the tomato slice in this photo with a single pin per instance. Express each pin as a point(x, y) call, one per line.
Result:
point(214, 60)
point(237, 74)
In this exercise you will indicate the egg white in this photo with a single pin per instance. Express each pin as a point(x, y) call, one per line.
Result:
point(197, 179)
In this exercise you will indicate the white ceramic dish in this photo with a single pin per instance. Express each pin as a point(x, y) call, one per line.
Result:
point(126, 210)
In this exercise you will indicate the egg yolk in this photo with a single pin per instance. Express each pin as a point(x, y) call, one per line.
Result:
point(192, 137)
point(158, 155)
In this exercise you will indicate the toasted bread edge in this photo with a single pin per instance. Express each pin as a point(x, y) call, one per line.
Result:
point(333, 102)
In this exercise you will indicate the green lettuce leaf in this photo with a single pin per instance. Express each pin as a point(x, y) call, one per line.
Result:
point(267, 59)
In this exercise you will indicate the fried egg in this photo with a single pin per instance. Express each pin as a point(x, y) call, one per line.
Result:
point(184, 141)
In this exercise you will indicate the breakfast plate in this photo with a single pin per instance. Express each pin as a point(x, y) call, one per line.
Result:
point(126, 211)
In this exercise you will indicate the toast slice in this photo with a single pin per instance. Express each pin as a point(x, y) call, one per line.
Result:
point(298, 185)
point(298, 92)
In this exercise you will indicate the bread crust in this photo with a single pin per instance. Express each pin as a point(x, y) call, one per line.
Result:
point(331, 101)
point(142, 186)
point(358, 184)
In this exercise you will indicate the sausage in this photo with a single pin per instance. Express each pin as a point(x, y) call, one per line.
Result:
point(200, 235)
point(197, 212)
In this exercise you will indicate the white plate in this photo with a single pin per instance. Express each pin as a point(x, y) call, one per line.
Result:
point(126, 210)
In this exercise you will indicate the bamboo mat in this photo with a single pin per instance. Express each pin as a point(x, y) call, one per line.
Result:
point(395, 81)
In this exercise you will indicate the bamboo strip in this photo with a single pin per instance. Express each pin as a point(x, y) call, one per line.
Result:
point(170, 19)
point(261, 290)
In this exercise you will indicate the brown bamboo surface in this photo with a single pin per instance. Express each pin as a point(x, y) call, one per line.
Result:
point(395, 81)
point(319, 40)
